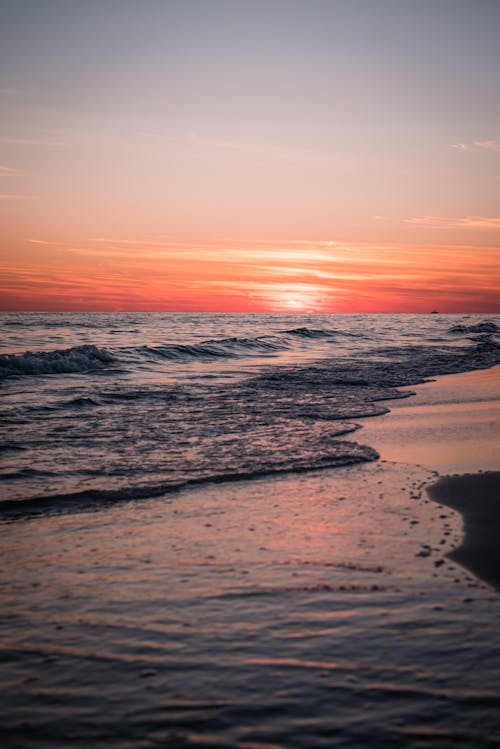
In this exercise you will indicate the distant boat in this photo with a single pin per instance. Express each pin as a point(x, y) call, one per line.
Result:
point(434, 312)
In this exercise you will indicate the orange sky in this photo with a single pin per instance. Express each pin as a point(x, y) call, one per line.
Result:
point(225, 156)
point(227, 275)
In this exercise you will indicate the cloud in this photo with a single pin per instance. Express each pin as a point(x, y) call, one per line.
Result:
point(477, 146)
point(463, 222)
point(15, 141)
point(42, 241)
point(49, 137)
point(313, 276)
point(137, 242)
point(8, 171)
point(488, 145)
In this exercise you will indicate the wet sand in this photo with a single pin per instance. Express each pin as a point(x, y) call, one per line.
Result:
point(477, 498)
point(309, 611)
point(452, 425)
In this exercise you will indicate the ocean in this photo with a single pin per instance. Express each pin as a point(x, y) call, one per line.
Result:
point(199, 549)
point(102, 407)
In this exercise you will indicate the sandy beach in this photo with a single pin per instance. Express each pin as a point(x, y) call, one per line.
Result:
point(452, 425)
point(338, 607)
point(250, 374)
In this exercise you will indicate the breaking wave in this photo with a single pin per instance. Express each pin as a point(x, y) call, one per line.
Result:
point(91, 357)
point(76, 359)
point(143, 418)
point(482, 327)
point(342, 454)
point(225, 347)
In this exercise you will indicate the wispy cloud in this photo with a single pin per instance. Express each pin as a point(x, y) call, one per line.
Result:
point(11, 140)
point(463, 222)
point(8, 171)
point(488, 145)
point(477, 146)
point(53, 137)
point(326, 276)
point(42, 241)
point(146, 242)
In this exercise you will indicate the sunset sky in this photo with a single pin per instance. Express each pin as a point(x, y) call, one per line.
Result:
point(257, 155)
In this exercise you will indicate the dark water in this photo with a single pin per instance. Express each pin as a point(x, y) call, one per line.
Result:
point(291, 609)
point(101, 407)
point(300, 612)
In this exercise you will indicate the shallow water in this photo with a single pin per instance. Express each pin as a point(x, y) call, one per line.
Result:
point(312, 608)
point(451, 424)
point(312, 611)
point(101, 407)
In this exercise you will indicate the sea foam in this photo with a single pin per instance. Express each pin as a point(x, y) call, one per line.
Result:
point(76, 359)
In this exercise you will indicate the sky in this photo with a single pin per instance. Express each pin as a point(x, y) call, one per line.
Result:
point(253, 156)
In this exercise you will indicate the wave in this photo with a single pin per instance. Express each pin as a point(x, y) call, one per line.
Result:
point(279, 420)
point(76, 359)
point(92, 499)
point(83, 402)
point(318, 333)
point(482, 327)
point(225, 347)
point(310, 332)
point(5, 446)
point(90, 357)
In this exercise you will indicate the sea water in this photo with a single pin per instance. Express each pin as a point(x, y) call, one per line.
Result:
point(198, 548)
point(105, 407)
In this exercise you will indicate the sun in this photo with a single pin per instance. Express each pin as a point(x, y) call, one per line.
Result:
point(298, 303)
point(294, 298)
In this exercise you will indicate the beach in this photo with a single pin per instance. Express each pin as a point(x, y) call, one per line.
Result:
point(250, 374)
point(338, 607)
point(452, 425)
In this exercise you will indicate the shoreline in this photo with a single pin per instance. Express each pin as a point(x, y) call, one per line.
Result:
point(451, 425)
point(447, 427)
point(270, 612)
